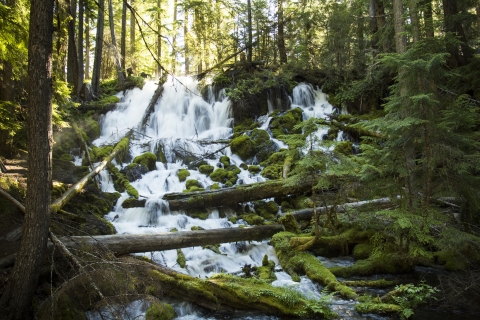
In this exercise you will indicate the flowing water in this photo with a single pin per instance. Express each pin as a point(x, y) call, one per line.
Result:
point(183, 123)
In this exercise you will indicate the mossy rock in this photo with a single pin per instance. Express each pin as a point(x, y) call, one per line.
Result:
point(225, 160)
point(332, 132)
point(196, 228)
point(343, 147)
point(134, 171)
point(198, 214)
point(224, 176)
point(160, 311)
point(273, 172)
point(182, 174)
point(133, 203)
point(243, 146)
point(91, 128)
point(206, 169)
point(289, 223)
point(254, 169)
point(121, 183)
point(265, 272)
point(161, 154)
point(266, 209)
point(147, 159)
point(285, 123)
point(234, 169)
point(192, 183)
point(259, 136)
point(214, 186)
point(362, 251)
point(244, 166)
point(252, 219)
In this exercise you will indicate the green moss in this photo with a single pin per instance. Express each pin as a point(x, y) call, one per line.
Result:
point(244, 166)
point(252, 219)
point(196, 228)
point(273, 172)
point(224, 176)
point(343, 147)
point(266, 271)
point(381, 283)
point(266, 209)
point(233, 219)
point(362, 251)
point(214, 186)
point(295, 262)
point(225, 160)
point(289, 223)
point(243, 146)
point(206, 169)
point(194, 189)
point(181, 258)
point(192, 183)
point(380, 308)
point(213, 247)
point(182, 174)
point(161, 154)
point(174, 230)
point(234, 169)
point(121, 183)
point(374, 265)
point(452, 261)
point(254, 169)
point(101, 153)
point(147, 159)
point(91, 128)
point(105, 102)
point(285, 123)
point(160, 311)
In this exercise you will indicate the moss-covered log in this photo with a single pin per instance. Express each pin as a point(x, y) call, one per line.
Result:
point(231, 196)
point(156, 95)
point(226, 292)
point(131, 243)
point(301, 262)
point(120, 147)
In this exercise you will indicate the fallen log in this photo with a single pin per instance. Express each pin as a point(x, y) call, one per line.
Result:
point(132, 243)
point(61, 201)
point(156, 95)
point(307, 214)
point(233, 195)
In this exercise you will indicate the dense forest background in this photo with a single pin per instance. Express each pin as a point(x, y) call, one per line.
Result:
point(407, 72)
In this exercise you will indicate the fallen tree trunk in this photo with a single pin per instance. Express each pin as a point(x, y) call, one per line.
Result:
point(307, 214)
point(233, 195)
point(132, 243)
point(156, 95)
point(60, 202)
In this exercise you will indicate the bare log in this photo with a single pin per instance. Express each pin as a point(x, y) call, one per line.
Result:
point(233, 195)
point(60, 202)
point(307, 214)
point(157, 94)
point(132, 243)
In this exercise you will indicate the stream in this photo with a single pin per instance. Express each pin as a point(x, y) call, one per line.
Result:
point(182, 123)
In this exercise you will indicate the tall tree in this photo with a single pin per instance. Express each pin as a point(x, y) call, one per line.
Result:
point(123, 37)
point(249, 30)
point(185, 41)
point(159, 37)
point(281, 33)
point(174, 36)
point(117, 57)
point(132, 39)
point(16, 301)
point(87, 41)
point(81, 73)
point(72, 60)
point(97, 62)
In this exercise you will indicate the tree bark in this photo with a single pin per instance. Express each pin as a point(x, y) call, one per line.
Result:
point(281, 34)
point(81, 71)
point(87, 42)
point(454, 26)
point(413, 9)
point(185, 39)
point(428, 18)
point(123, 37)
point(122, 244)
point(232, 196)
point(97, 62)
point(399, 26)
point(16, 301)
point(72, 61)
point(117, 58)
point(132, 39)
point(159, 37)
point(249, 27)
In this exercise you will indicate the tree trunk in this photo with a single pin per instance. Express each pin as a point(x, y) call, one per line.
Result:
point(232, 196)
point(373, 24)
point(123, 37)
point(415, 22)
point(118, 58)
point(151, 106)
point(81, 73)
point(174, 37)
point(132, 243)
point(132, 39)
point(281, 35)
point(249, 30)
point(185, 39)
point(159, 38)
point(72, 61)
point(97, 62)
point(454, 26)
point(428, 18)
point(399, 26)
point(87, 42)
point(16, 301)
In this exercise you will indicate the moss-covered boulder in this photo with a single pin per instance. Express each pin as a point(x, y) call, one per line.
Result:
point(214, 186)
point(160, 311)
point(362, 251)
point(224, 176)
point(273, 172)
point(266, 209)
point(147, 159)
point(225, 160)
point(193, 185)
point(243, 146)
point(120, 182)
point(252, 219)
point(181, 260)
point(285, 123)
point(254, 169)
point(91, 128)
point(266, 270)
point(206, 169)
point(182, 174)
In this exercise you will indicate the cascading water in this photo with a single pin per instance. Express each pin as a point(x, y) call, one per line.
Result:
point(181, 124)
